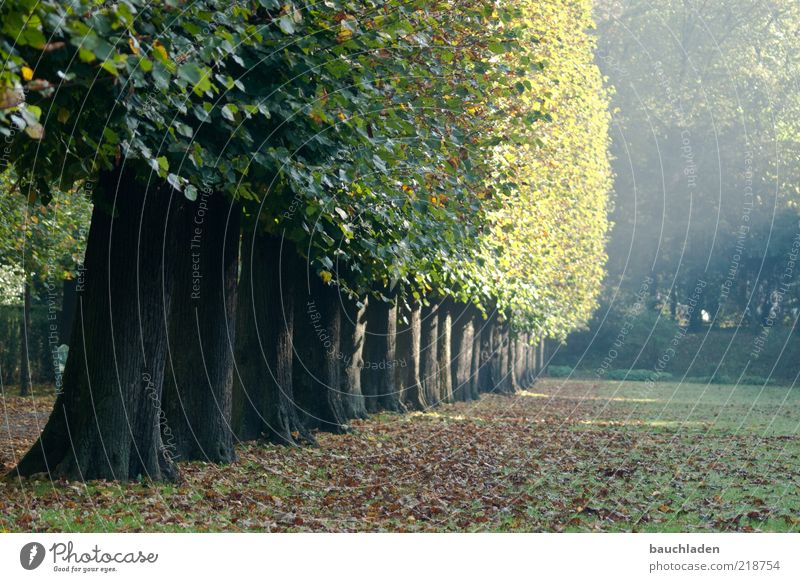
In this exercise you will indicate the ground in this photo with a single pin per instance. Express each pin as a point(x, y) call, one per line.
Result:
point(562, 456)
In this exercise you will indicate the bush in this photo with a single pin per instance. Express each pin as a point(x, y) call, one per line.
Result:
point(632, 375)
point(637, 375)
point(724, 379)
point(559, 371)
point(758, 381)
point(718, 379)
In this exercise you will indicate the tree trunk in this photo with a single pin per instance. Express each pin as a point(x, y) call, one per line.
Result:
point(540, 367)
point(530, 362)
point(198, 385)
point(673, 303)
point(519, 362)
point(488, 355)
point(504, 383)
point(513, 364)
point(263, 397)
point(25, 364)
point(475, 372)
point(463, 337)
point(497, 358)
point(380, 357)
point(409, 339)
point(354, 325)
point(106, 421)
point(429, 354)
point(445, 350)
point(318, 354)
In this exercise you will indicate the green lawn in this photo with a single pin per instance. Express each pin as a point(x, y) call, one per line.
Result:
point(696, 457)
point(561, 456)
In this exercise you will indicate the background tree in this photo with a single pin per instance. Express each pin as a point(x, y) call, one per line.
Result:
point(41, 247)
point(705, 137)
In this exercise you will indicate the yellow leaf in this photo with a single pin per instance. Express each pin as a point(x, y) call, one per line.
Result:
point(134, 44)
point(159, 48)
point(326, 276)
point(344, 34)
point(27, 73)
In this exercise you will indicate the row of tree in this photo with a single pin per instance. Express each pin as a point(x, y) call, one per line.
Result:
point(303, 213)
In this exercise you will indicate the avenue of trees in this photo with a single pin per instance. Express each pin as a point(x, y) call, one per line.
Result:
point(301, 213)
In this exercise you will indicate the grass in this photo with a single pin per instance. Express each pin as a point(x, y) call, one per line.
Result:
point(562, 456)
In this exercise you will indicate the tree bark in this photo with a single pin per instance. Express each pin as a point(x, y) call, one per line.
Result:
point(463, 337)
point(540, 368)
point(497, 359)
point(488, 355)
point(264, 405)
point(429, 354)
point(354, 325)
point(25, 326)
point(530, 363)
point(198, 385)
point(445, 350)
point(380, 357)
point(318, 354)
point(475, 372)
point(409, 339)
point(513, 365)
point(504, 384)
point(106, 421)
point(519, 362)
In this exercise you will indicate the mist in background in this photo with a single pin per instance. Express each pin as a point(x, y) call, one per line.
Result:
point(702, 279)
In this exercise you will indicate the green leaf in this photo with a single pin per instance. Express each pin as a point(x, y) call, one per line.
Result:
point(190, 192)
point(228, 112)
point(286, 24)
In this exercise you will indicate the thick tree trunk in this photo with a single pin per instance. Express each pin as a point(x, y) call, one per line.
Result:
point(429, 354)
point(380, 357)
point(511, 347)
point(354, 325)
point(512, 362)
point(263, 397)
point(519, 362)
point(106, 421)
point(25, 326)
point(445, 350)
point(463, 337)
point(530, 363)
point(524, 360)
point(318, 354)
point(409, 339)
point(488, 355)
point(534, 361)
point(475, 372)
point(497, 358)
point(541, 367)
point(198, 385)
point(504, 383)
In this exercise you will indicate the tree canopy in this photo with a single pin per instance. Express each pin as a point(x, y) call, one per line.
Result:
point(360, 130)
